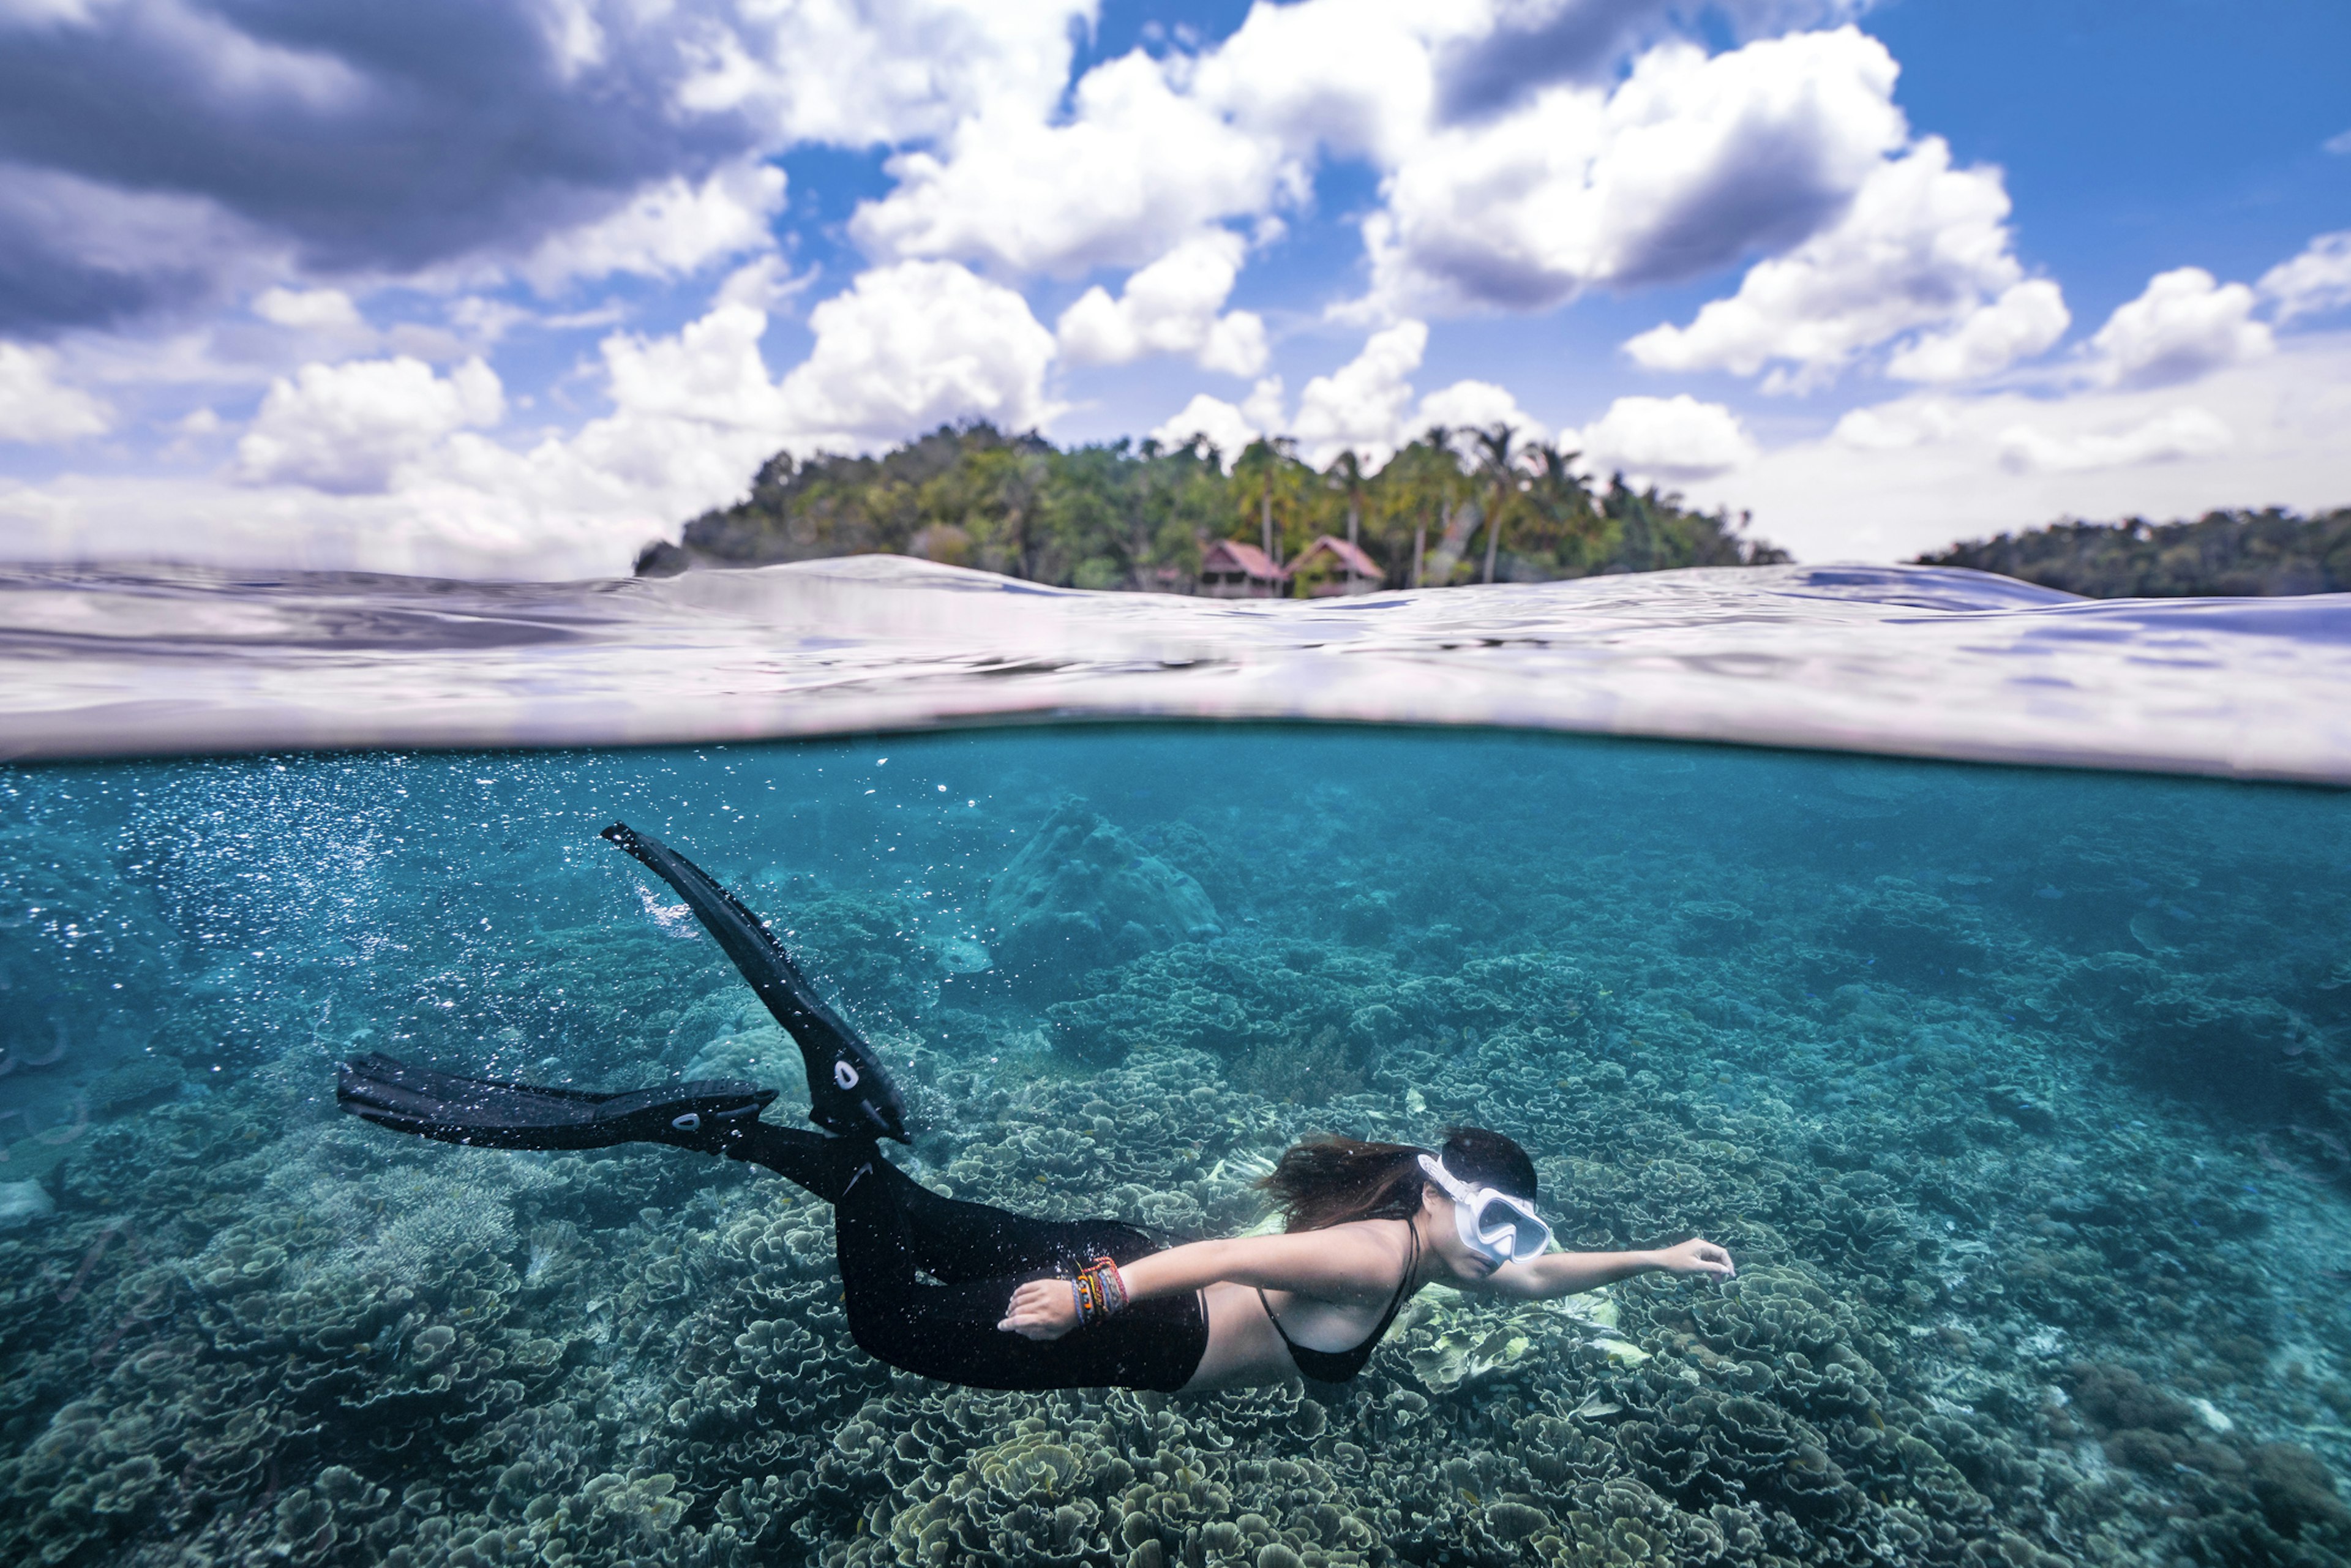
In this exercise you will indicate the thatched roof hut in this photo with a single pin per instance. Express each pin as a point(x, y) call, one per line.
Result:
point(1330, 566)
point(1231, 569)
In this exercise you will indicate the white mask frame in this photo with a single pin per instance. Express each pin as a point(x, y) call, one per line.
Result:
point(1493, 1223)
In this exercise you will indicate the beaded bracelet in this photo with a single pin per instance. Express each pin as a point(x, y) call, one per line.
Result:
point(1098, 1290)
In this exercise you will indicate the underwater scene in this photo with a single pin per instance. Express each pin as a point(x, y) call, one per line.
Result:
point(2022, 1099)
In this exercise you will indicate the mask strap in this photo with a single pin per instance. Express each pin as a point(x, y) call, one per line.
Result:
point(1452, 1186)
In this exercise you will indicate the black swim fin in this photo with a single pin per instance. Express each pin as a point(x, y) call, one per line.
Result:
point(849, 1092)
point(710, 1115)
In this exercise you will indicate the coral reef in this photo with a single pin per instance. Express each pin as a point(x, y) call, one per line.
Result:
point(2027, 1118)
point(23, 1202)
point(1081, 893)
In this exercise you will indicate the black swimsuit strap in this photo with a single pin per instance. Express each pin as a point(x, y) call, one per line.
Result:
point(1404, 1286)
point(1395, 1305)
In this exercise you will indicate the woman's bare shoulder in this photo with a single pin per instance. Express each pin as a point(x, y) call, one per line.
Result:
point(1386, 1230)
point(1384, 1240)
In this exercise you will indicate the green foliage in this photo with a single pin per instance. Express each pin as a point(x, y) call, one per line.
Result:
point(1119, 515)
point(2239, 553)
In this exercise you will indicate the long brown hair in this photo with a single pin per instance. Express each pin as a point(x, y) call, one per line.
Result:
point(1331, 1180)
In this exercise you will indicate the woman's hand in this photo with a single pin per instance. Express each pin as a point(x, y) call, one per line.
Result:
point(1697, 1256)
point(1042, 1310)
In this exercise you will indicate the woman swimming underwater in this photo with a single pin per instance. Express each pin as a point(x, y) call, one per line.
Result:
point(973, 1294)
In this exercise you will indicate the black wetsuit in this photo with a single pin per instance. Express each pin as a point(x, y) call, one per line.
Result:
point(890, 1230)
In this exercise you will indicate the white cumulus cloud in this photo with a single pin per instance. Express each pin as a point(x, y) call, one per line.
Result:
point(2167, 437)
point(1361, 405)
point(2185, 324)
point(34, 407)
point(1225, 426)
point(1365, 406)
point(1145, 151)
point(1355, 78)
point(1477, 405)
point(861, 73)
point(2024, 320)
point(1171, 307)
point(1923, 246)
point(1688, 164)
point(700, 397)
point(901, 350)
point(1669, 438)
point(309, 309)
point(667, 230)
point(2316, 281)
point(346, 428)
point(383, 465)
point(1138, 167)
point(911, 346)
point(1895, 427)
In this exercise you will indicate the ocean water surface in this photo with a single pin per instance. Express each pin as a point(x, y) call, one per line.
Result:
point(2023, 1095)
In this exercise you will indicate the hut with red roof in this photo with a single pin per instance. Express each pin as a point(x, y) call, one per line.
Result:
point(1231, 569)
point(1330, 566)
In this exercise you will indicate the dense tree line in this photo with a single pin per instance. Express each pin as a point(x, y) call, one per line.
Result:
point(1462, 506)
point(2242, 553)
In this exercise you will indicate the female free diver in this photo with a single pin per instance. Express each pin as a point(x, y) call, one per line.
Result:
point(969, 1294)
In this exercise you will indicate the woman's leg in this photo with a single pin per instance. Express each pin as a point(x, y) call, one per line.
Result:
point(953, 1242)
point(957, 1242)
point(889, 1232)
point(824, 1165)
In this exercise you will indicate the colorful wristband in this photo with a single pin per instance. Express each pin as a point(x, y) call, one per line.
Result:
point(1098, 1291)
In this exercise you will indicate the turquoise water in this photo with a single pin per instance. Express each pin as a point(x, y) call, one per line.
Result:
point(2023, 1098)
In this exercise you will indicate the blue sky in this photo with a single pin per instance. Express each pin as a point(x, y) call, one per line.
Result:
point(2142, 136)
point(511, 286)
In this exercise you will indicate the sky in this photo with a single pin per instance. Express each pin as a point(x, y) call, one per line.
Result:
point(512, 288)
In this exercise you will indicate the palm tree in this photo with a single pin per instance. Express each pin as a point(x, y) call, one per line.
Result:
point(1564, 499)
point(1637, 523)
point(1261, 473)
point(1345, 476)
point(1497, 464)
point(1416, 484)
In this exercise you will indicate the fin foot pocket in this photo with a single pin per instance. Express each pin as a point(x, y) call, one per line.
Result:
point(850, 1092)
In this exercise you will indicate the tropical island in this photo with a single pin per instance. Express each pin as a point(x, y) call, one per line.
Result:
point(1453, 507)
point(2246, 554)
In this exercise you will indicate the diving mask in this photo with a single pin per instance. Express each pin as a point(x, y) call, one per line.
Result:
point(1494, 1225)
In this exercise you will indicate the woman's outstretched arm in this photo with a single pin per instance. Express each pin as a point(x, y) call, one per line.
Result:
point(1565, 1273)
point(1337, 1264)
